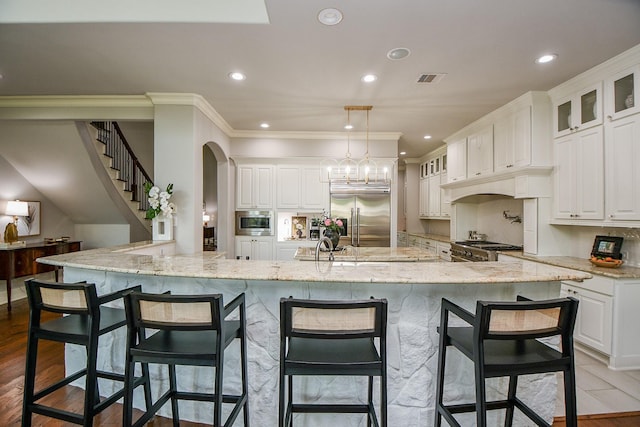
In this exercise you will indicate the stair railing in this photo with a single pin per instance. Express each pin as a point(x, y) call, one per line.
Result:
point(130, 171)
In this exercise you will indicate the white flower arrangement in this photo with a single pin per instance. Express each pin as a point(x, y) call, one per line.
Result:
point(159, 201)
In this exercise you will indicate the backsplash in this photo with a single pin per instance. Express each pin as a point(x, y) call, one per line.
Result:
point(583, 237)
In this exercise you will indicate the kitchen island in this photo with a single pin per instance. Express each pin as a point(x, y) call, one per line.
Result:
point(413, 289)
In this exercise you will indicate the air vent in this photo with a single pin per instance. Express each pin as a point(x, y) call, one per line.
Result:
point(431, 77)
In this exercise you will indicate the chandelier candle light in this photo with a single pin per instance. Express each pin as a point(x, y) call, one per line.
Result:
point(160, 211)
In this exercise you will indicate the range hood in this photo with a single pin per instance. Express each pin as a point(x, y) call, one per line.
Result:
point(526, 183)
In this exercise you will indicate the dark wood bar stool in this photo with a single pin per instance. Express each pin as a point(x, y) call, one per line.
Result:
point(333, 338)
point(85, 320)
point(189, 330)
point(503, 340)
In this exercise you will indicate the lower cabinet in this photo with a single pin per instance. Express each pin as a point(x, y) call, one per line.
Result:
point(595, 310)
point(254, 248)
point(444, 251)
point(607, 319)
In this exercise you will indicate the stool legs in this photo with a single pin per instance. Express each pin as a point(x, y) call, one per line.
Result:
point(29, 381)
point(570, 407)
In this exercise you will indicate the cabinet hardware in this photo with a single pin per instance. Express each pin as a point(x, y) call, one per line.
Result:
point(477, 173)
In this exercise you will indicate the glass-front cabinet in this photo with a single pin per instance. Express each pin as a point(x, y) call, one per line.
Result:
point(621, 92)
point(578, 112)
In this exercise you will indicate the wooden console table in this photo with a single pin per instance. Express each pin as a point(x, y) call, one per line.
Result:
point(21, 261)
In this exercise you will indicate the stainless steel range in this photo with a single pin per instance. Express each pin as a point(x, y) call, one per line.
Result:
point(478, 251)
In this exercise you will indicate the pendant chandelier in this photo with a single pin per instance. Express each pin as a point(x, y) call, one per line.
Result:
point(349, 170)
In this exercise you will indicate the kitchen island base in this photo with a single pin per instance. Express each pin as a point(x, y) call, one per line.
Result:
point(412, 340)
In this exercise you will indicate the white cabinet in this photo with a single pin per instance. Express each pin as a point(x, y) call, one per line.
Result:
point(424, 197)
point(434, 196)
point(480, 153)
point(595, 312)
point(621, 92)
point(512, 140)
point(457, 160)
point(445, 198)
point(622, 157)
point(579, 176)
point(254, 187)
point(444, 250)
point(299, 187)
point(578, 111)
point(254, 248)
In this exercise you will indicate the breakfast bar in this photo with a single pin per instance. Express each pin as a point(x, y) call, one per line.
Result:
point(413, 290)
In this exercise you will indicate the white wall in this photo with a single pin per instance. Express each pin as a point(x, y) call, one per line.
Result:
point(582, 241)
point(101, 235)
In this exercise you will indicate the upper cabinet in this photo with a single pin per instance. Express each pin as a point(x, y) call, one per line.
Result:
point(622, 93)
point(578, 111)
point(480, 152)
point(512, 140)
point(457, 158)
point(254, 187)
point(300, 187)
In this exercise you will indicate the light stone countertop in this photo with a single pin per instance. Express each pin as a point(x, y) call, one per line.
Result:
point(437, 237)
point(211, 265)
point(581, 264)
point(363, 254)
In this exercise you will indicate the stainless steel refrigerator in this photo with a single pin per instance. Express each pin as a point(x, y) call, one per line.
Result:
point(366, 212)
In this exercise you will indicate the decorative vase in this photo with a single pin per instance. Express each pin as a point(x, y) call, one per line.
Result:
point(334, 236)
point(162, 228)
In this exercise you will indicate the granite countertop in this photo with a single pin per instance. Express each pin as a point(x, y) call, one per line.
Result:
point(209, 265)
point(581, 264)
point(437, 237)
point(360, 254)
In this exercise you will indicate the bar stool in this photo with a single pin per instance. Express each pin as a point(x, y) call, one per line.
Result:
point(332, 338)
point(190, 330)
point(503, 340)
point(85, 320)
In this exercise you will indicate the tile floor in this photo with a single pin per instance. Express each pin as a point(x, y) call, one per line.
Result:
point(599, 389)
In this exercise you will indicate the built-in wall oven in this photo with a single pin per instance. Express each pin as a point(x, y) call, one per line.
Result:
point(254, 223)
point(478, 251)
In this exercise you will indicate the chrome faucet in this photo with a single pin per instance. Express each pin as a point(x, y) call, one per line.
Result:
point(324, 239)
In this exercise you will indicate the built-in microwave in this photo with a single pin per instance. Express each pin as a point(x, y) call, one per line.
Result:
point(254, 223)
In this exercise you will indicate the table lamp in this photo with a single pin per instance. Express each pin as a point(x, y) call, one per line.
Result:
point(14, 208)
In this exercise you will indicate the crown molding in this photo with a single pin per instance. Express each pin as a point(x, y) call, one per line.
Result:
point(376, 136)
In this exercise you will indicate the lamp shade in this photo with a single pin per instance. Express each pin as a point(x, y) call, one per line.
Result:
point(17, 208)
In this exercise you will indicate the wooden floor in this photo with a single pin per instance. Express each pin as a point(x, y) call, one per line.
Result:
point(13, 333)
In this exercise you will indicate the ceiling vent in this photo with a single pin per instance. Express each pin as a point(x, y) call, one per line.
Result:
point(431, 77)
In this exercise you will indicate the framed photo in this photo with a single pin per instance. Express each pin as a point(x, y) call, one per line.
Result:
point(607, 246)
point(30, 225)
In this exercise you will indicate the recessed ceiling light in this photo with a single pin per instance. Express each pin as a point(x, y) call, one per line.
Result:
point(369, 78)
point(264, 125)
point(427, 137)
point(398, 53)
point(330, 16)
point(402, 153)
point(348, 127)
point(237, 76)
point(546, 58)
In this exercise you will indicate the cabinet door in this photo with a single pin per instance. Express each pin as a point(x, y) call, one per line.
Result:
point(480, 153)
point(522, 137)
point(622, 157)
point(263, 185)
point(444, 251)
point(590, 174)
point(315, 194)
point(244, 193)
point(288, 187)
point(445, 198)
point(503, 145)
point(457, 158)
point(424, 197)
point(434, 195)
point(243, 247)
point(565, 177)
point(262, 249)
point(622, 93)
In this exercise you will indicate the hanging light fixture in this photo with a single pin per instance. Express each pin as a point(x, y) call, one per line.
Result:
point(347, 169)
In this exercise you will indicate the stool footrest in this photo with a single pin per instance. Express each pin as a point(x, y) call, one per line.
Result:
point(56, 386)
point(329, 408)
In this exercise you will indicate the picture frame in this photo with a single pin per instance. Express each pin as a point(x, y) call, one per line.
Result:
point(607, 246)
point(299, 227)
point(29, 226)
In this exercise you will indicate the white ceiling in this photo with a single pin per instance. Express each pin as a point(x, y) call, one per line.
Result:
point(300, 73)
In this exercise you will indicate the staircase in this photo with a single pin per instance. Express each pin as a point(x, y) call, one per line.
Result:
point(122, 166)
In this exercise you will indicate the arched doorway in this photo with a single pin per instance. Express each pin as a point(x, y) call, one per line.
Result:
point(216, 197)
